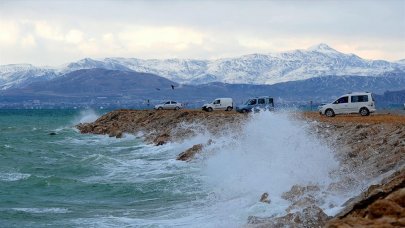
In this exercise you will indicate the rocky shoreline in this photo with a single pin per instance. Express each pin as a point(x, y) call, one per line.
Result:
point(371, 147)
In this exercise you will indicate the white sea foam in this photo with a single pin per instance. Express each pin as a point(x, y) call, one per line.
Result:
point(53, 210)
point(13, 176)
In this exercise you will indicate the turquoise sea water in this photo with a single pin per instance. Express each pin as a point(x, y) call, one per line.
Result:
point(70, 179)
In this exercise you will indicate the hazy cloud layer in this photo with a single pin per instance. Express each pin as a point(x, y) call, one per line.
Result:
point(56, 32)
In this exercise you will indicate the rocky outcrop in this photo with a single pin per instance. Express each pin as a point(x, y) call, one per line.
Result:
point(311, 216)
point(369, 146)
point(160, 127)
point(381, 205)
point(190, 153)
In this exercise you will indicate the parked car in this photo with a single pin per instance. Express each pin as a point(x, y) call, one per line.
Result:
point(359, 102)
point(219, 104)
point(169, 105)
point(256, 104)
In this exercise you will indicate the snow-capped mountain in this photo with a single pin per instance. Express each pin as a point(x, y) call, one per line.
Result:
point(320, 60)
point(19, 75)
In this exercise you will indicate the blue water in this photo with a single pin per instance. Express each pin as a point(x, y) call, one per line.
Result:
point(70, 179)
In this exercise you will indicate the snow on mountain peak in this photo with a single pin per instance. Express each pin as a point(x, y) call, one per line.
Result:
point(322, 48)
point(318, 60)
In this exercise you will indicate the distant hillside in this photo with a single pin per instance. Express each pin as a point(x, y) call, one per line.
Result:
point(96, 82)
point(123, 88)
point(391, 98)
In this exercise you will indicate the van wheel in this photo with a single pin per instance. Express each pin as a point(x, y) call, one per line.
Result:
point(364, 112)
point(176, 108)
point(209, 109)
point(329, 113)
point(160, 108)
point(229, 109)
point(244, 111)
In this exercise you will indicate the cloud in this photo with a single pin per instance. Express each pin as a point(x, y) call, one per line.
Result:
point(74, 36)
point(148, 37)
point(63, 31)
point(47, 31)
point(9, 32)
point(28, 41)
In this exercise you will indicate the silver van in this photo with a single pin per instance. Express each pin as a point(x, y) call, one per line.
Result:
point(256, 104)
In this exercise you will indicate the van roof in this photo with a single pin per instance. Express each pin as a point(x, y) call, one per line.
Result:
point(356, 93)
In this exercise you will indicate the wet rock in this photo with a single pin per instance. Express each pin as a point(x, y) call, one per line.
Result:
point(312, 216)
point(116, 133)
point(297, 191)
point(162, 139)
point(304, 202)
point(384, 207)
point(398, 197)
point(160, 127)
point(119, 134)
point(190, 153)
point(264, 198)
point(52, 133)
point(379, 206)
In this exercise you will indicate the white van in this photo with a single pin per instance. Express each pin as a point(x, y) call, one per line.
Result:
point(358, 102)
point(219, 104)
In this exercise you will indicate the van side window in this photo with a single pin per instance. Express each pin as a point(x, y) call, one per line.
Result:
point(216, 101)
point(261, 101)
point(252, 102)
point(342, 100)
point(271, 101)
point(361, 98)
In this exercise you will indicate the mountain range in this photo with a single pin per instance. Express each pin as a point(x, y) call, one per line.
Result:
point(317, 61)
point(317, 74)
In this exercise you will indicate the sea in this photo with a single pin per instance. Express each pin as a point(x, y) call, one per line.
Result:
point(51, 175)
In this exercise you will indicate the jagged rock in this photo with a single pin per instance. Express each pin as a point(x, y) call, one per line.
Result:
point(160, 127)
point(117, 134)
point(264, 198)
point(312, 216)
point(162, 139)
point(297, 192)
point(190, 153)
point(384, 207)
point(380, 206)
point(304, 202)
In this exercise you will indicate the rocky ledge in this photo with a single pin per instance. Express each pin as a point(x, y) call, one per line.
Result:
point(372, 147)
point(160, 127)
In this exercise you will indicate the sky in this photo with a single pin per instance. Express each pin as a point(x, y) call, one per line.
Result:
point(56, 32)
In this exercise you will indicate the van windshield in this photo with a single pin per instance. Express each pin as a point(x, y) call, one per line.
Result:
point(251, 102)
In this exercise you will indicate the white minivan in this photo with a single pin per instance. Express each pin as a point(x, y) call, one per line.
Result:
point(219, 104)
point(359, 102)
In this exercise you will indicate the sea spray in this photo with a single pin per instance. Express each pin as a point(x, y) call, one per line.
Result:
point(270, 154)
point(86, 116)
